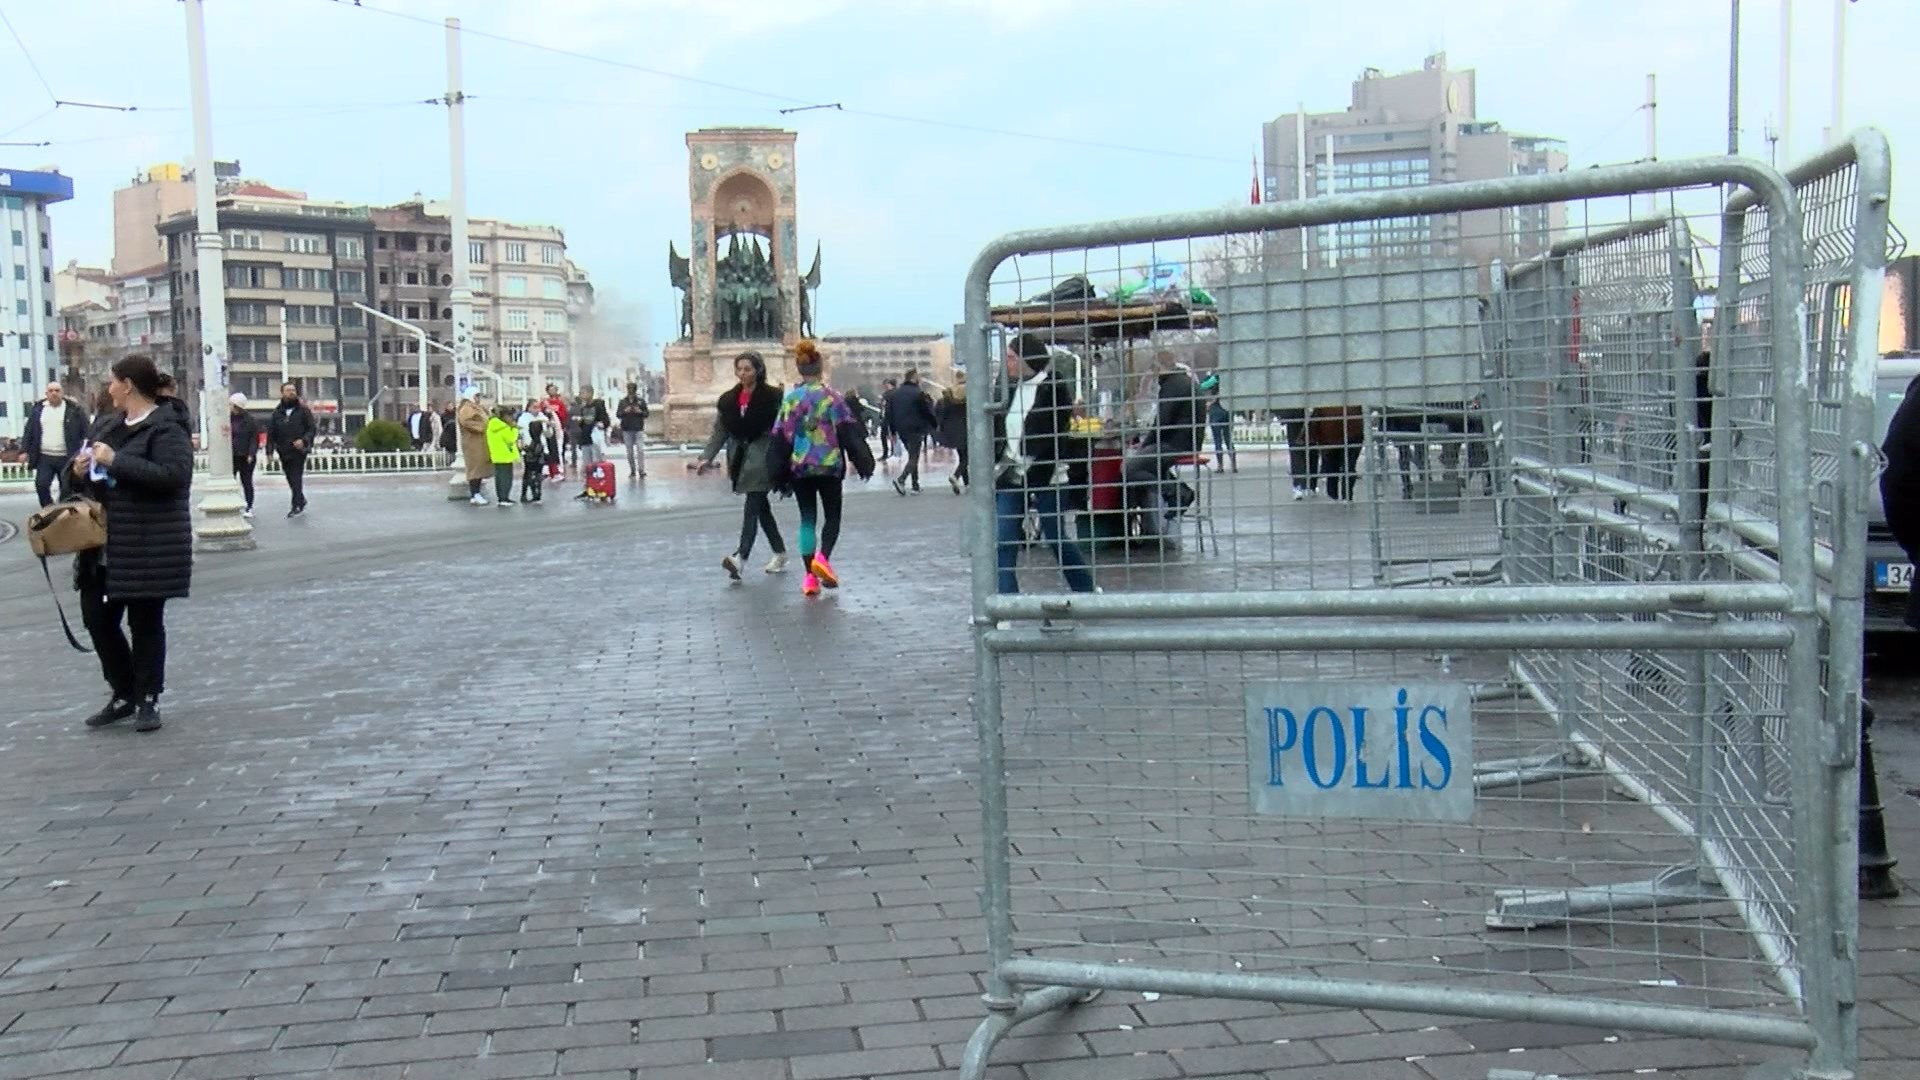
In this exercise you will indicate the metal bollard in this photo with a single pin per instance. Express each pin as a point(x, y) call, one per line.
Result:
point(1876, 865)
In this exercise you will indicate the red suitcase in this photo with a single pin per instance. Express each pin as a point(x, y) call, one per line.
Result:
point(601, 482)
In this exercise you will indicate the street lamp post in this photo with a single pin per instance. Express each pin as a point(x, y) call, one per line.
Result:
point(221, 526)
point(461, 298)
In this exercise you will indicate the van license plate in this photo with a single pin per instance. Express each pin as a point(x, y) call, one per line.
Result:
point(1893, 576)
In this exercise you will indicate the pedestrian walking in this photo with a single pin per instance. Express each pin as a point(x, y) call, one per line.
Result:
point(503, 451)
point(533, 449)
point(557, 432)
point(447, 433)
point(1030, 442)
point(246, 446)
point(809, 426)
point(291, 430)
point(633, 413)
point(910, 412)
point(471, 420)
point(743, 425)
point(888, 443)
point(1221, 422)
point(1900, 485)
point(420, 427)
point(137, 463)
point(55, 429)
point(952, 413)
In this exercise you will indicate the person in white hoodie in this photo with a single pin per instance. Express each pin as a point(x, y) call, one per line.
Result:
point(535, 425)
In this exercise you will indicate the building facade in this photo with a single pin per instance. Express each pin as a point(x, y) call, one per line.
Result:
point(135, 316)
point(1408, 130)
point(29, 320)
point(526, 296)
point(862, 359)
point(294, 268)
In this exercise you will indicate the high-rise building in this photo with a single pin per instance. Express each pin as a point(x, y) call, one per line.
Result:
point(29, 356)
point(1408, 130)
point(294, 268)
point(526, 296)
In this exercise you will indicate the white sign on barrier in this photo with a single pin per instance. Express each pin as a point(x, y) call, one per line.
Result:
point(1389, 751)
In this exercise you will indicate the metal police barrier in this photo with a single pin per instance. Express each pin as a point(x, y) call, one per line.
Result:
point(1262, 774)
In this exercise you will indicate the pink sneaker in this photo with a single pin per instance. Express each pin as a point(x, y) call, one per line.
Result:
point(809, 586)
point(824, 571)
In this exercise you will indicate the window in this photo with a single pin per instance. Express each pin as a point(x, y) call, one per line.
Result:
point(516, 285)
point(349, 247)
point(480, 318)
point(477, 282)
point(516, 318)
point(556, 320)
point(21, 307)
point(412, 311)
point(550, 254)
point(244, 240)
point(479, 354)
point(477, 251)
point(306, 244)
point(380, 242)
point(19, 238)
point(247, 276)
point(385, 278)
point(412, 277)
point(553, 288)
point(354, 388)
point(353, 352)
point(247, 314)
point(247, 351)
point(352, 282)
point(352, 317)
point(133, 294)
point(519, 353)
point(516, 252)
point(139, 326)
point(556, 355)
point(19, 273)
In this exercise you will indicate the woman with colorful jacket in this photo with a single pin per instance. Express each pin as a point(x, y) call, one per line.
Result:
point(503, 450)
point(809, 424)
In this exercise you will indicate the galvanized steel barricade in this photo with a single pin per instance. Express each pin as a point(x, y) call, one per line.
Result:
point(1255, 772)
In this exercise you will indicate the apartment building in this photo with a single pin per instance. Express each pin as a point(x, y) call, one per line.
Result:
point(134, 316)
point(526, 295)
point(293, 269)
point(1408, 130)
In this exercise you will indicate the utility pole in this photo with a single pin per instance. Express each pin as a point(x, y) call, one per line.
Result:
point(1653, 141)
point(462, 295)
point(286, 375)
point(1300, 169)
point(1838, 131)
point(1733, 80)
point(221, 526)
point(1785, 142)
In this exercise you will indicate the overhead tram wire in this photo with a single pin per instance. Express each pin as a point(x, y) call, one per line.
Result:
point(807, 103)
point(28, 53)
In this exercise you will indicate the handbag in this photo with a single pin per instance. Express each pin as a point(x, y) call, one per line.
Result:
point(71, 527)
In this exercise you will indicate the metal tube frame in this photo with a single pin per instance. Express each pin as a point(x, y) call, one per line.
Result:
point(1826, 1019)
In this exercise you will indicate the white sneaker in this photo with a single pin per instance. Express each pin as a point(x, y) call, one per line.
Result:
point(247, 513)
point(1299, 493)
point(731, 564)
point(954, 483)
point(478, 500)
point(777, 564)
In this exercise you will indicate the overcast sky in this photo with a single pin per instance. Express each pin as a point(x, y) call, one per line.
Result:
point(307, 94)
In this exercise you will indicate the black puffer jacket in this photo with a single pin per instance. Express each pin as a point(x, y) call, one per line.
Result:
point(149, 553)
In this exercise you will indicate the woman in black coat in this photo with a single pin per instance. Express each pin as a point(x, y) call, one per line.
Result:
point(138, 463)
point(743, 425)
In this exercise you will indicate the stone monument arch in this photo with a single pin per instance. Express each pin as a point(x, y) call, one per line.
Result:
point(740, 281)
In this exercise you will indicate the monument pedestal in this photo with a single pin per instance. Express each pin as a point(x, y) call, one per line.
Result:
point(698, 372)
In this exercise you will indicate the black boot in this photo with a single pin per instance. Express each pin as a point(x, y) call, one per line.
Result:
point(117, 710)
point(147, 716)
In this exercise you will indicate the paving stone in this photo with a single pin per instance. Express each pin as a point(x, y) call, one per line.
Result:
point(788, 1044)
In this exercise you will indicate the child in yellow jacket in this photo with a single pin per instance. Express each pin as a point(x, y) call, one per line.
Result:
point(503, 449)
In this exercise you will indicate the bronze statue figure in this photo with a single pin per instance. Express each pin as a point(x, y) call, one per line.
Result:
point(680, 273)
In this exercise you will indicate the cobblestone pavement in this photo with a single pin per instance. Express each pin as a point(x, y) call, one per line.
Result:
point(449, 793)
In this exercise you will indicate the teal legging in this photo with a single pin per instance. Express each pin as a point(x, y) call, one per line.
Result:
point(814, 494)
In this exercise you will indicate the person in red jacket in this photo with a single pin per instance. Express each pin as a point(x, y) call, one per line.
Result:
point(557, 407)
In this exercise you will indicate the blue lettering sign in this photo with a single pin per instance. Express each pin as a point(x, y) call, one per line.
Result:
point(1358, 766)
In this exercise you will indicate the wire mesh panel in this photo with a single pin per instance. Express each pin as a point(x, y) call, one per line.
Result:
point(1434, 697)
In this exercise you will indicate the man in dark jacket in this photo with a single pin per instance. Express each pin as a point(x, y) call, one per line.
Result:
point(1900, 484)
point(633, 430)
point(1174, 436)
point(420, 427)
point(910, 414)
point(291, 430)
point(55, 429)
point(246, 446)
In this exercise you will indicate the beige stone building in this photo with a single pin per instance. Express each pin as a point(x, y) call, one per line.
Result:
point(864, 358)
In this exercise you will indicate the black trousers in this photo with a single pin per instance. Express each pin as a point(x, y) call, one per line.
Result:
point(294, 464)
point(532, 473)
point(135, 669)
point(758, 517)
point(916, 441)
point(816, 494)
point(48, 470)
point(243, 466)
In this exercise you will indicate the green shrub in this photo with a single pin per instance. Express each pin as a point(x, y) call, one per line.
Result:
point(383, 436)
